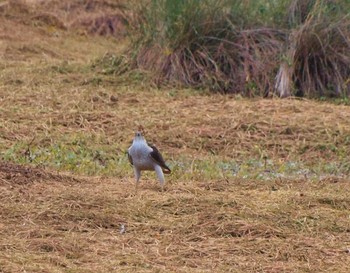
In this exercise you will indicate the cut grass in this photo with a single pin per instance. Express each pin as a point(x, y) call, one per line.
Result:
point(224, 209)
point(233, 226)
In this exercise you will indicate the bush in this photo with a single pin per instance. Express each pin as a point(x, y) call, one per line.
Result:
point(237, 46)
point(318, 55)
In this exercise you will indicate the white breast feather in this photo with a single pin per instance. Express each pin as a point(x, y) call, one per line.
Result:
point(139, 152)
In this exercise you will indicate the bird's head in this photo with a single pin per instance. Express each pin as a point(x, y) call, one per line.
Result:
point(138, 136)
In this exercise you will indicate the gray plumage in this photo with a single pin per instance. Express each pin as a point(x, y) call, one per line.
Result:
point(143, 156)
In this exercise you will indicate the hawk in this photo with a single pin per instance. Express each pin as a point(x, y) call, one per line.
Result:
point(146, 157)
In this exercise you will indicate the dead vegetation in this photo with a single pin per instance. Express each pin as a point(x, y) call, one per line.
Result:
point(237, 46)
point(61, 110)
point(98, 225)
point(317, 57)
point(241, 63)
point(13, 174)
point(105, 18)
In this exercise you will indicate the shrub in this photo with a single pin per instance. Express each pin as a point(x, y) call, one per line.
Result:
point(237, 46)
point(318, 56)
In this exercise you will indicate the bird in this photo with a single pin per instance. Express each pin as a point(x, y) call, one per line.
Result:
point(143, 156)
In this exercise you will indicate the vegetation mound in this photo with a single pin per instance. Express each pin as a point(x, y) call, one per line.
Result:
point(263, 47)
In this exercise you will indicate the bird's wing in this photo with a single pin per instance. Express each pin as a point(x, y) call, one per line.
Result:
point(130, 158)
point(157, 157)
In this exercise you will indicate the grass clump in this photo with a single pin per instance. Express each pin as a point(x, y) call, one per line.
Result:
point(208, 44)
point(234, 46)
point(318, 51)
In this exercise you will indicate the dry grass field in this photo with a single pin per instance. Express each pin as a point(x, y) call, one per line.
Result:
point(259, 185)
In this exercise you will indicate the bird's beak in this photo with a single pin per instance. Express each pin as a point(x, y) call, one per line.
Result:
point(138, 135)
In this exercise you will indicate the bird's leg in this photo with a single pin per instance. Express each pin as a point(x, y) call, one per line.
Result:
point(137, 177)
point(160, 175)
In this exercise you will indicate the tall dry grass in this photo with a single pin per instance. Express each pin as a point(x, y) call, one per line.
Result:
point(317, 58)
point(246, 47)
